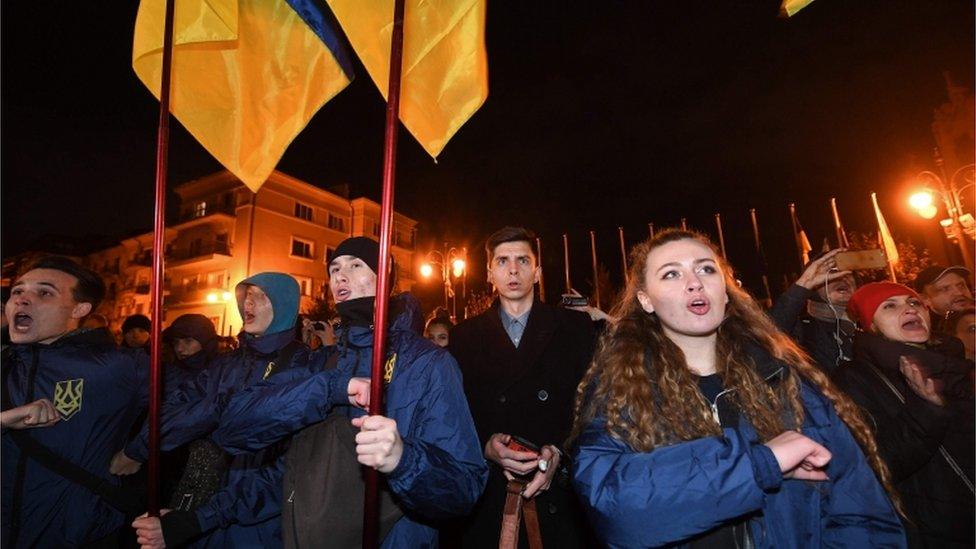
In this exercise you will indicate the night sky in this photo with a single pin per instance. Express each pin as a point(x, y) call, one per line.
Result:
point(599, 115)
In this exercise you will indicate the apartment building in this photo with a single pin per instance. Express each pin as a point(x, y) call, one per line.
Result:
point(225, 233)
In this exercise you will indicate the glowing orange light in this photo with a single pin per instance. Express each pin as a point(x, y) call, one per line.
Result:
point(920, 201)
point(458, 267)
point(426, 270)
point(928, 212)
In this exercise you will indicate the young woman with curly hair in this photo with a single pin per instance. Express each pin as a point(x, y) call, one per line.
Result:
point(701, 424)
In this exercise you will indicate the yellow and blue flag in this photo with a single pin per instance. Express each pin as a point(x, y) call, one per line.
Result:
point(789, 8)
point(445, 63)
point(247, 75)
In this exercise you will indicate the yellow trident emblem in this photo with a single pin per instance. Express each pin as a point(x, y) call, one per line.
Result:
point(388, 369)
point(67, 397)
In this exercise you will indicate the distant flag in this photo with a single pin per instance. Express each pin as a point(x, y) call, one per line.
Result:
point(803, 246)
point(445, 63)
point(789, 8)
point(841, 234)
point(247, 75)
point(885, 239)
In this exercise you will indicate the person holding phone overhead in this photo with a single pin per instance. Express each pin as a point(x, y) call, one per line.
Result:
point(813, 311)
point(700, 424)
point(522, 360)
point(917, 389)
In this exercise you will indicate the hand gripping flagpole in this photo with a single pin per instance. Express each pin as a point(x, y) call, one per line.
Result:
point(371, 502)
point(156, 280)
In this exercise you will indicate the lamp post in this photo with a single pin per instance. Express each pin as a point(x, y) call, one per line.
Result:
point(452, 263)
point(958, 225)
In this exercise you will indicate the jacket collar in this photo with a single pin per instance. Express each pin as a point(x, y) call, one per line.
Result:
point(404, 312)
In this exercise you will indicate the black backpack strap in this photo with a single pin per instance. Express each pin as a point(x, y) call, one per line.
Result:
point(44, 456)
point(119, 498)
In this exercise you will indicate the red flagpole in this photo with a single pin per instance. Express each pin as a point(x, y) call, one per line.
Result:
point(156, 280)
point(371, 503)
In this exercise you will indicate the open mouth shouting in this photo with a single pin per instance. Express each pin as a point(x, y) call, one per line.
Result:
point(22, 322)
point(914, 325)
point(699, 306)
point(342, 293)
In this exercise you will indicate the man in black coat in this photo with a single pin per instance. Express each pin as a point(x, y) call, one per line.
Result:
point(522, 361)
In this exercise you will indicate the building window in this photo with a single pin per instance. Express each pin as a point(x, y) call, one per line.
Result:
point(329, 254)
point(304, 211)
point(301, 248)
point(216, 279)
point(376, 228)
point(337, 223)
point(305, 283)
point(200, 209)
point(191, 282)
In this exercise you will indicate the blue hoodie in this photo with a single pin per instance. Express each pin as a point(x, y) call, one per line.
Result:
point(244, 513)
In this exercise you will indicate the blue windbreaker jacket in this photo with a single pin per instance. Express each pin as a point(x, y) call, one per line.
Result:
point(246, 511)
point(442, 472)
point(663, 497)
point(98, 390)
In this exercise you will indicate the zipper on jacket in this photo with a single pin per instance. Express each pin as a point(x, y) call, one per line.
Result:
point(714, 403)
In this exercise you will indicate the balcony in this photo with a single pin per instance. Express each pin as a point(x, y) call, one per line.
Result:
point(198, 253)
point(208, 211)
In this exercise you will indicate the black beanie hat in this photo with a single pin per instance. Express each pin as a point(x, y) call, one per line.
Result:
point(194, 325)
point(364, 248)
point(368, 250)
point(136, 321)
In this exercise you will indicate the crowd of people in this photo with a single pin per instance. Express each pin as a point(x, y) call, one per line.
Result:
point(686, 416)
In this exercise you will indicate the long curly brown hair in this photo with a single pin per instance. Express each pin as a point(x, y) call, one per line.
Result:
point(640, 382)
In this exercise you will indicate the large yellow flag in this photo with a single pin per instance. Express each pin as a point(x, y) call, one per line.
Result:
point(445, 64)
point(247, 75)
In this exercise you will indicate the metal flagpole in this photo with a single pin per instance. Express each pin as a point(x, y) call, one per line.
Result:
point(596, 278)
point(623, 253)
point(569, 284)
point(542, 280)
point(156, 280)
point(371, 502)
point(841, 235)
point(796, 234)
point(721, 235)
point(762, 257)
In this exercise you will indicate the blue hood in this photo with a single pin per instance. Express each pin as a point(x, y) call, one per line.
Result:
point(284, 294)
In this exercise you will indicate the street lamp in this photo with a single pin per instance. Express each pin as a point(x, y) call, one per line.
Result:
point(958, 225)
point(452, 263)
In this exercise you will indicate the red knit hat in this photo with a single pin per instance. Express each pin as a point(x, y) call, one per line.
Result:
point(866, 300)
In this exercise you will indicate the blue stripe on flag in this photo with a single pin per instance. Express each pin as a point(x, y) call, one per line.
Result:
point(312, 12)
